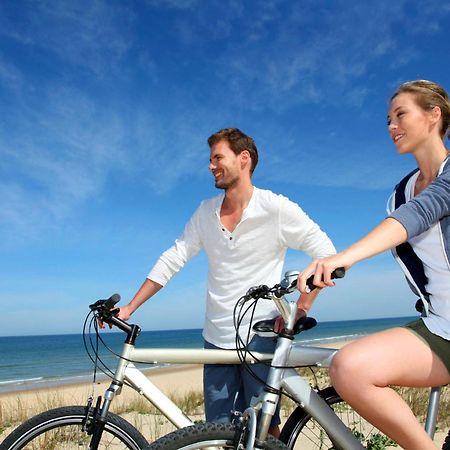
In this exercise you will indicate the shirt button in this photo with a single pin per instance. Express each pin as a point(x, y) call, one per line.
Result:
point(231, 238)
point(223, 229)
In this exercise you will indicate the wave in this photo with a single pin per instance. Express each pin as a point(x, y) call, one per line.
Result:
point(22, 381)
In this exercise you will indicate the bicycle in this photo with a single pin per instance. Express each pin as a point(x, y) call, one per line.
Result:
point(93, 426)
point(318, 410)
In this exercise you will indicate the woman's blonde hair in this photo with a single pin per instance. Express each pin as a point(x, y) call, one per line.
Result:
point(429, 95)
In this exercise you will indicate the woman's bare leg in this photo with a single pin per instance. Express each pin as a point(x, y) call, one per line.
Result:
point(363, 370)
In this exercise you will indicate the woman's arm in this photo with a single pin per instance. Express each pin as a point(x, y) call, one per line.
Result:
point(388, 234)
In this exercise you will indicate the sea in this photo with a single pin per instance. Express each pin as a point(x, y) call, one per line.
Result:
point(31, 362)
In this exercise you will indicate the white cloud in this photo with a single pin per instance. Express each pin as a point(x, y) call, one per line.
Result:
point(175, 4)
point(320, 54)
point(54, 159)
point(90, 34)
point(10, 76)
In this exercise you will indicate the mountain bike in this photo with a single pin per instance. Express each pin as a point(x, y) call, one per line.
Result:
point(93, 426)
point(321, 421)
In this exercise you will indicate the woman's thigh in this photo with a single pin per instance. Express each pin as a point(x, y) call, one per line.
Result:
point(396, 356)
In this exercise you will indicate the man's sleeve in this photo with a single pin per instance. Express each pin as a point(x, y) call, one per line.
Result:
point(431, 205)
point(173, 259)
point(298, 231)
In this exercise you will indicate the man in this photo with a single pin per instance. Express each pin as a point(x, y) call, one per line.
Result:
point(245, 232)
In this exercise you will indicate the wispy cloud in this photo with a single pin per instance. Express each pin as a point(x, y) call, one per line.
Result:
point(176, 4)
point(55, 158)
point(84, 33)
point(321, 54)
point(10, 76)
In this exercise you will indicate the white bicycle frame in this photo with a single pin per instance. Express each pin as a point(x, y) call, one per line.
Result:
point(127, 371)
point(282, 374)
point(290, 380)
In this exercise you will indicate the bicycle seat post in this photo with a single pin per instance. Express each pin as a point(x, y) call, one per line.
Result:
point(432, 412)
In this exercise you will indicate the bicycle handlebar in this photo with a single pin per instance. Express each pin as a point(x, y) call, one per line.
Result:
point(105, 311)
point(339, 272)
point(286, 286)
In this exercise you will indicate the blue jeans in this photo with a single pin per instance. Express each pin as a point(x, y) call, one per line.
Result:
point(229, 387)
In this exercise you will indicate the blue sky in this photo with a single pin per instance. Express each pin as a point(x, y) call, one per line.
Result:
point(105, 111)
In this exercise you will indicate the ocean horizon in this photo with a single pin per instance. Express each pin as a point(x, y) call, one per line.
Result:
point(31, 362)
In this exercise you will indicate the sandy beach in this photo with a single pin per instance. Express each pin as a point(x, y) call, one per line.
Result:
point(176, 382)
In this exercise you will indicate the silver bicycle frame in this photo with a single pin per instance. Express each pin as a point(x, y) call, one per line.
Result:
point(287, 355)
point(299, 356)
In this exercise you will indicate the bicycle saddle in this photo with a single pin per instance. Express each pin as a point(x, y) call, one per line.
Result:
point(302, 324)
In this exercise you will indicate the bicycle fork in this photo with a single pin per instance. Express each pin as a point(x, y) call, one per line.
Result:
point(96, 419)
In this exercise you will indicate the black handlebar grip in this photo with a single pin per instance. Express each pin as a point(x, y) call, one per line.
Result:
point(115, 298)
point(339, 272)
point(102, 306)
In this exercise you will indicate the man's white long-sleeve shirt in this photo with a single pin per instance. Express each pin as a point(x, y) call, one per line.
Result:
point(252, 254)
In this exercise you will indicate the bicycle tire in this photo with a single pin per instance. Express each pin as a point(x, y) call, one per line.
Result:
point(207, 435)
point(446, 445)
point(61, 429)
point(302, 432)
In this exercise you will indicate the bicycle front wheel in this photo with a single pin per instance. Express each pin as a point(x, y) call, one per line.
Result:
point(302, 432)
point(207, 436)
point(61, 429)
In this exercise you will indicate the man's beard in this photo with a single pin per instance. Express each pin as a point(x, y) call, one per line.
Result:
point(226, 184)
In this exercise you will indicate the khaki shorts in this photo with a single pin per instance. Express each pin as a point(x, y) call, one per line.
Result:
point(439, 345)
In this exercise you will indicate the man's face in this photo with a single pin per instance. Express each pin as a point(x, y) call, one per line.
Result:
point(225, 165)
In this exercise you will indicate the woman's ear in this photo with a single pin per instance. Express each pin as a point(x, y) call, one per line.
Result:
point(435, 115)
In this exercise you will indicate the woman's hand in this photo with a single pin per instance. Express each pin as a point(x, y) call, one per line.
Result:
point(322, 270)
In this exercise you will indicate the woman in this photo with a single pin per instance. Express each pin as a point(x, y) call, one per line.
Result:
point(418, 231)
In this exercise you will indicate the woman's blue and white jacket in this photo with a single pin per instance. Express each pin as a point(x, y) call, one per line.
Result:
point(431, 206)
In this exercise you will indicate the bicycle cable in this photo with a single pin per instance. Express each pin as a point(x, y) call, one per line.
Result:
point(242, 346)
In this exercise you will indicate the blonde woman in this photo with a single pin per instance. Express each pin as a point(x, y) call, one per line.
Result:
point(418, 232)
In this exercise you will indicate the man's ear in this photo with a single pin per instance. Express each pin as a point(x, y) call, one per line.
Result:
point(246, 159)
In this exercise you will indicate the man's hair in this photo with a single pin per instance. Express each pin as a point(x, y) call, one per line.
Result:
point(238, 142)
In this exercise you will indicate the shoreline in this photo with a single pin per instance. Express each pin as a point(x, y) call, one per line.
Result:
point(67, 383)
point(168, 378)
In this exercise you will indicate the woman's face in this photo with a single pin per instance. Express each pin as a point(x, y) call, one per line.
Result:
point(409, 125)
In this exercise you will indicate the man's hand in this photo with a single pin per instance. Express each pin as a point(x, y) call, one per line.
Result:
point(279, 322)
point(123, 313)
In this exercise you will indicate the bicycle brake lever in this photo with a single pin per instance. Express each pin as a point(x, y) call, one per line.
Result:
point(257, 291)
point(105, 303)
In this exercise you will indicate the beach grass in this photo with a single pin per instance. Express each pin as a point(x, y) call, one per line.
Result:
point(145, 417)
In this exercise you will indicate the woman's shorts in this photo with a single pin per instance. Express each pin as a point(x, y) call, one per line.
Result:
point(439, 345)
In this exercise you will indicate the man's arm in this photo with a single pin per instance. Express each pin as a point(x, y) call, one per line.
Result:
point(304, 304)
point(302, 233)
point(148, 289)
